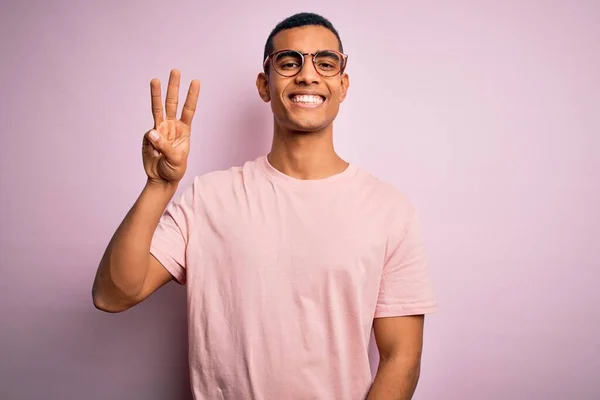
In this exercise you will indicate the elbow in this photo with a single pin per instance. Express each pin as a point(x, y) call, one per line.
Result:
point(107, 298)
point(410, 364)
point(103, 303)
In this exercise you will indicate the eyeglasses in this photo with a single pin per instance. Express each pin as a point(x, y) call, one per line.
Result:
point(289, 63)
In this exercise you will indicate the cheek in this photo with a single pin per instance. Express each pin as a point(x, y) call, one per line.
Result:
point(276, 97)
point(277, 105)
point(276, 88)
point(336, 97)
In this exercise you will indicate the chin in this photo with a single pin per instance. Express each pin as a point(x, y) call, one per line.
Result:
point(301, 120)
point(308, 123)
point(307, 126)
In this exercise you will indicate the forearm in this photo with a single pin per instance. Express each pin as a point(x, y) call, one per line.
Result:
point(396, 379)
point(124, 265)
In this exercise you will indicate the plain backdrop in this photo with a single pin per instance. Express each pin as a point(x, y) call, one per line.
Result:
point(486, 114)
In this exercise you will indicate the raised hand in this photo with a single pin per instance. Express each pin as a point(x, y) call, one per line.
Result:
point(165, 148)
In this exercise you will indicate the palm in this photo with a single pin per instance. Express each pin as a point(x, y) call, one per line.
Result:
point(166, 159)
point(158, 166)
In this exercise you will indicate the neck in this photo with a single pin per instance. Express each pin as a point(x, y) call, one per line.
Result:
point(303, 155)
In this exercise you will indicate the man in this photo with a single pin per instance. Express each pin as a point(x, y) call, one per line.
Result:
point(290, 260)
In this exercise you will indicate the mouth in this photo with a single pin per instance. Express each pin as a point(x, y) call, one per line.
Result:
point(307, 100)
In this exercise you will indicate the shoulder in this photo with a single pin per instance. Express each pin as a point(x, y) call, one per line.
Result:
point(223, 186)
point(386, 194)
point(401, 215)
point(225, 178)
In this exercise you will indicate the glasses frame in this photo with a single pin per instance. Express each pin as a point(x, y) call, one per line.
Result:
point(271, 57)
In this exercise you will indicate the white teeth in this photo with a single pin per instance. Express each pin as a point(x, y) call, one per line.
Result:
point(307, 99)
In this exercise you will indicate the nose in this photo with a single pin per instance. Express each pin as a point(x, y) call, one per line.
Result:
point(308, 74)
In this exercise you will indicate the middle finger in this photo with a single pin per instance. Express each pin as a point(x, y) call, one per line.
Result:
point(172, 94)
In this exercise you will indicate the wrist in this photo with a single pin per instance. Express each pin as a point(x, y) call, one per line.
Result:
point(161, 186)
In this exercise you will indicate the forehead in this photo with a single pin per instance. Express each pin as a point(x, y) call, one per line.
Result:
point(306, 39)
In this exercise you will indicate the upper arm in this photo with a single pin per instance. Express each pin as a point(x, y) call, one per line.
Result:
point(405, 287)
point(399, 336)
point(405, 293)
point(156, 277)
point(168, 248)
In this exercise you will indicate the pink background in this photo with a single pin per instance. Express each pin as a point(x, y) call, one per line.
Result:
point(485, 113)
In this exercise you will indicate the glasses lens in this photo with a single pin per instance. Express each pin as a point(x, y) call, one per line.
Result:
point(288, 63)
point(328, 63)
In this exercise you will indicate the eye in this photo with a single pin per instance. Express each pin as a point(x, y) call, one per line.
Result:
point(288, 60)
point(327, 61)
point(325, 65)
point(289, 65)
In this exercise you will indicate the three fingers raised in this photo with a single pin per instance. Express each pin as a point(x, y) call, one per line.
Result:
point(171, 101)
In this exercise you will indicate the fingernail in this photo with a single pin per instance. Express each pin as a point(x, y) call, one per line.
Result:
point(156, 154)
point(153, 135)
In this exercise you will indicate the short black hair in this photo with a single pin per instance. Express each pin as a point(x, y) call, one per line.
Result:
point(297, 21)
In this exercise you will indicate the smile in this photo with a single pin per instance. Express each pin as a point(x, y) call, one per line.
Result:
point(307, 100)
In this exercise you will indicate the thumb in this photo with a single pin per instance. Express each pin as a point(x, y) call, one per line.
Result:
point(159, 143)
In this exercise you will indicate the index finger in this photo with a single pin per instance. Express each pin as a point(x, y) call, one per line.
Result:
point(189, 108)
point(157, 107)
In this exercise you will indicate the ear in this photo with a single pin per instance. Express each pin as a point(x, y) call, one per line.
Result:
point(344, 86)
point(262, 84)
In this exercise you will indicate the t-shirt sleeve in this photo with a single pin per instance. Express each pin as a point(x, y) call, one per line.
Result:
point(169, 242)
point(405, 287)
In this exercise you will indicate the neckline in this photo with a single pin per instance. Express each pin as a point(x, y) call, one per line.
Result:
point(305, 184)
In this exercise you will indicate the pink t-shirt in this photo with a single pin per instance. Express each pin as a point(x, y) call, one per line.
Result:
point(284, 277)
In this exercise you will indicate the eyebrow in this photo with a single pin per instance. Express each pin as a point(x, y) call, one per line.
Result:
point(284, 51)
point(288, 51)
point(328, 52)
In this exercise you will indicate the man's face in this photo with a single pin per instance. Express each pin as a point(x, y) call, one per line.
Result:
point(292, 101)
